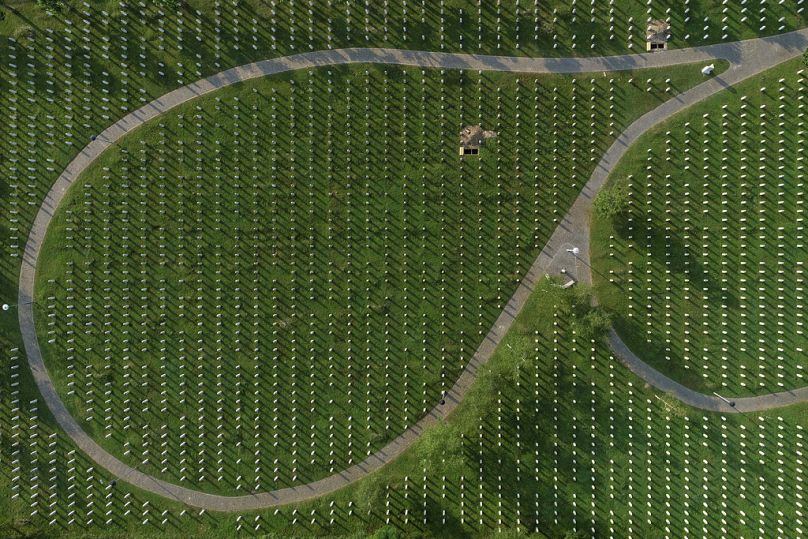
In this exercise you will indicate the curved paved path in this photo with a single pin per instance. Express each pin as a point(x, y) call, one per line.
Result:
point(575, 225)
point(747, 58)
point(700, 400)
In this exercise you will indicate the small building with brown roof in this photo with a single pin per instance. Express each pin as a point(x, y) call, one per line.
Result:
point(657, 35)
point(472, 138)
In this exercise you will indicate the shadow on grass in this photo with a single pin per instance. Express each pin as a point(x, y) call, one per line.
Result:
point(667, 248)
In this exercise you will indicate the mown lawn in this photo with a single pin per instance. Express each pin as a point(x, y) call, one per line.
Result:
point(264, 286)
point(705, 272)
point(58, 89)
point(555, 435)
point(230, 31)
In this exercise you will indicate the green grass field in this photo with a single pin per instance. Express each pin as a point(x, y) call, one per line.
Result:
point(229, 32)
point(241, 298)
point(555, 435)
point(387, 258)
point(706, 271)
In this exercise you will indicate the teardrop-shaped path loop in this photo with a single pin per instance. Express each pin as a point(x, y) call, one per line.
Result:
point(746, 58)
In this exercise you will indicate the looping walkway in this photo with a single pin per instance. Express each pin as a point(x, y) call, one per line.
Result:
point(747, 58)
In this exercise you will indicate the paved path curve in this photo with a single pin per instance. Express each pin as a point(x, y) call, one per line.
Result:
point(575, 225)
point(700, 400)
point(747, 58)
